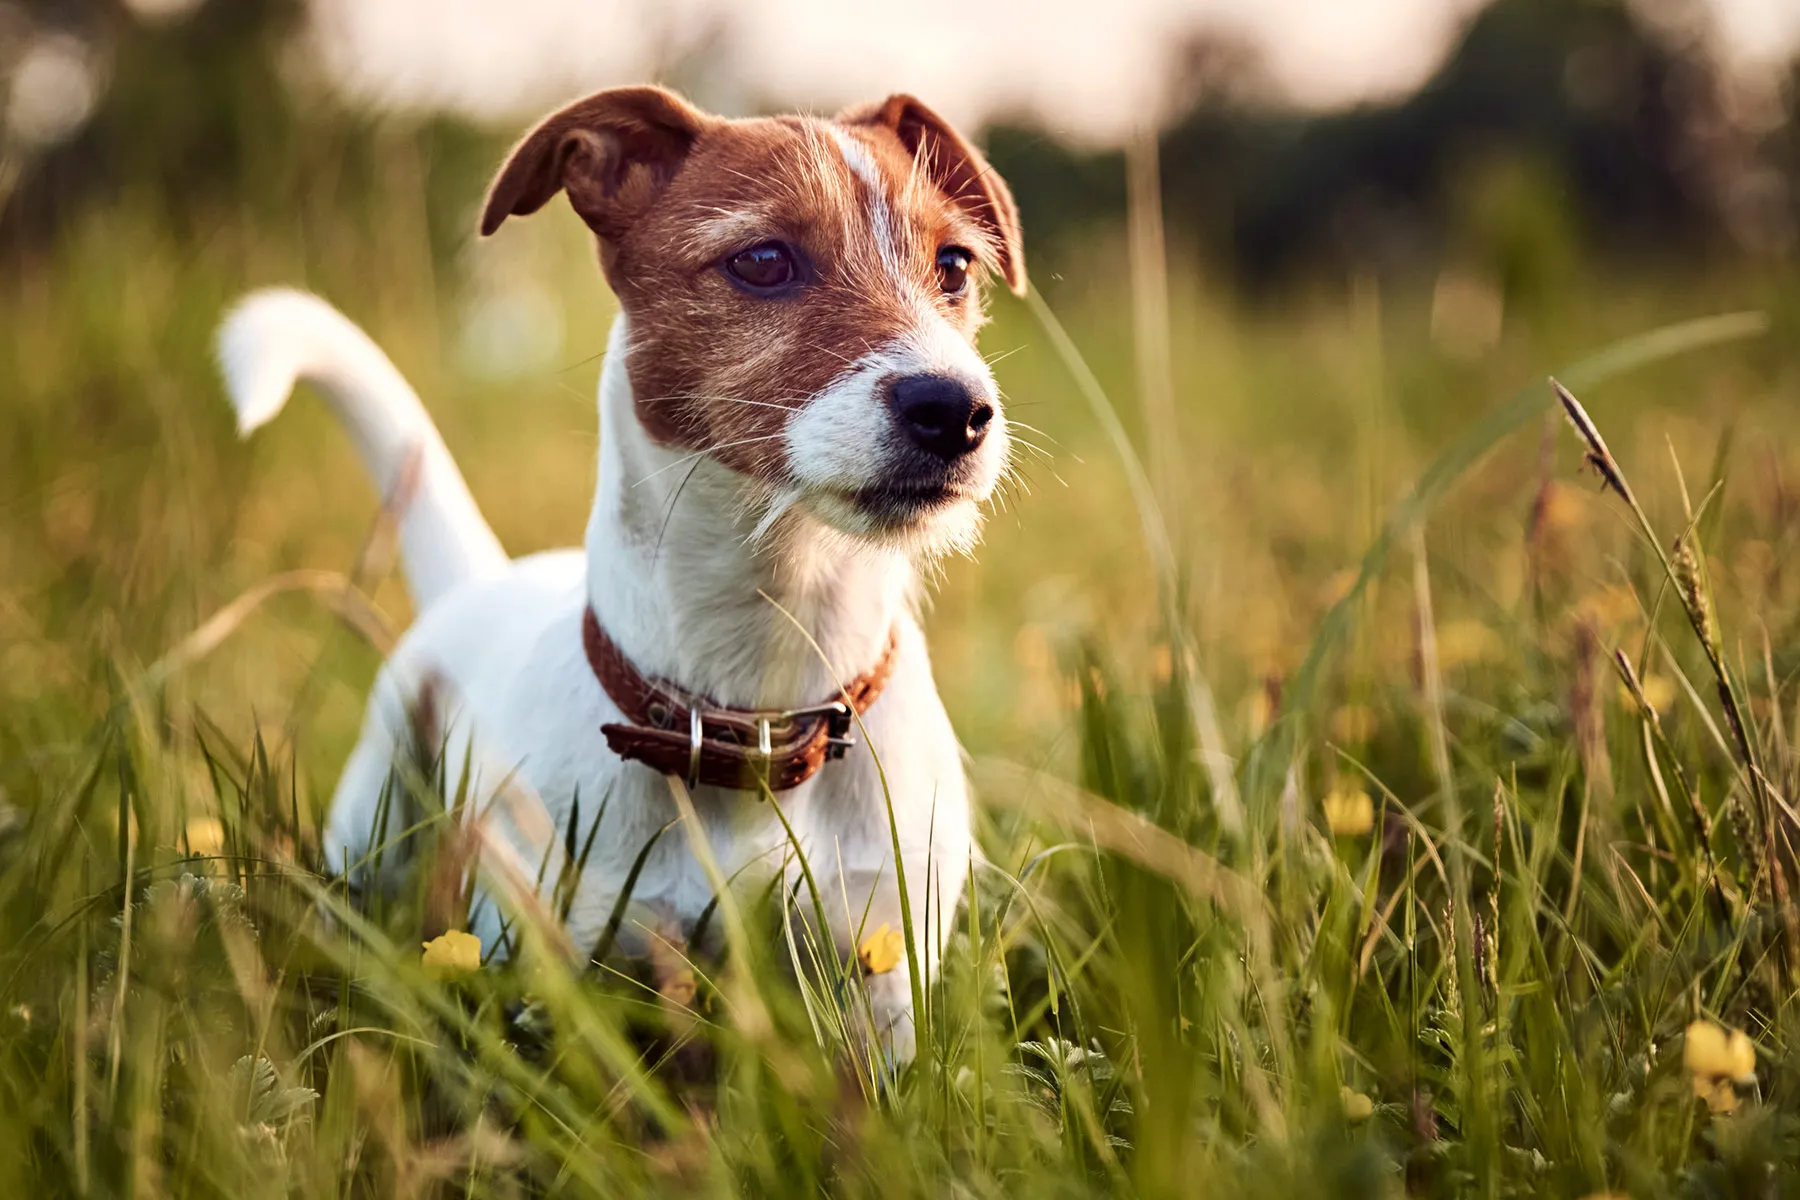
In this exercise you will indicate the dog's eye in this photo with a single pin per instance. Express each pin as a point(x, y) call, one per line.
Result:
point(763, 267)
point(953, 269)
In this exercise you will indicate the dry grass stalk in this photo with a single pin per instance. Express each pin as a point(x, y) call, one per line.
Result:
point(1686, 576)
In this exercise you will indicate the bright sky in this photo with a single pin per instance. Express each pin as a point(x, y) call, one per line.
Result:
point(1090, 68)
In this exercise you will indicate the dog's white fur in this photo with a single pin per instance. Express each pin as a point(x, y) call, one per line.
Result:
point(696, 584)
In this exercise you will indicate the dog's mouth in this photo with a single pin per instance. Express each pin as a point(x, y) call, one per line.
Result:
point(903, 502)
point(917, 514)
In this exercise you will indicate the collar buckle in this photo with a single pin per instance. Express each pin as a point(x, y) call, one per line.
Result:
point(839, 720)
point(722, 744)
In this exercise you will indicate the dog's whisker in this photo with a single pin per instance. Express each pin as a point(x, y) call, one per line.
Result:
point(687, 458)
point(669, 512)
point(833, 353)
point(778, 507)
point(582, 362)
point(793, 407)
point(1018, 424)
point(570, 388)
point(1003, 355)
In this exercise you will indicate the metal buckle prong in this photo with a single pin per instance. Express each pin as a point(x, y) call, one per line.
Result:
point(696, 735)
point(831, 708)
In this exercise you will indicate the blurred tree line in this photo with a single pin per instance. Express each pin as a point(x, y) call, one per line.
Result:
point(1556, 129)
point(204, 107)
point(193, 106)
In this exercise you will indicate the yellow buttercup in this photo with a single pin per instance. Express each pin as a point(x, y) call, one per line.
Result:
point(454, 953)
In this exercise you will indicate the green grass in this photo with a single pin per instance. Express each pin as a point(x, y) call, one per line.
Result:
point(1365, 561)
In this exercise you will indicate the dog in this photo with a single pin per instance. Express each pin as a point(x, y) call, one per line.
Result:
point(795, 424)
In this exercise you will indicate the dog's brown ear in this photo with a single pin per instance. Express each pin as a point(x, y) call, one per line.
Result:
point(949, 161)
point(612, 152)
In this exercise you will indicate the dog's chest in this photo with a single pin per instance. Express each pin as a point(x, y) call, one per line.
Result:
point(632, 854)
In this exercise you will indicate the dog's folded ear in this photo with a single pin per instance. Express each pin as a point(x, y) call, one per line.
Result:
point(957, 168)
point(612, 152)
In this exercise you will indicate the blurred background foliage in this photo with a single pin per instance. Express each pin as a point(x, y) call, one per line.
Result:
point(1553, 124)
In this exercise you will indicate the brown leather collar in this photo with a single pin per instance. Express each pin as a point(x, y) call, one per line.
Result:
point(691, 737)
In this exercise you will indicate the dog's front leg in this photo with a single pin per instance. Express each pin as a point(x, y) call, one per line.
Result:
point(868, 932)
point(850, 839)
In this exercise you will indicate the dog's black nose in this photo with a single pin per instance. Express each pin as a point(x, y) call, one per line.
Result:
point(940, 414)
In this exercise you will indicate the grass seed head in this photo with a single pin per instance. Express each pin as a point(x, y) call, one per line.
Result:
point(1597, 454)
point(1693, 593)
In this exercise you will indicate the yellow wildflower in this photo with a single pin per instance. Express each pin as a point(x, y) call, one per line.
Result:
point(1719, 1094)
point(454, 953)
point(1259, 710)
point(1711, 1050)
point(1718, 1058)
point(1659, 693)
point(1357, 1107)
point(1354, 724)
point(882, 950)
point(1467, 641)
point(1349, 812)
point(205, 837)
point(1607, 608)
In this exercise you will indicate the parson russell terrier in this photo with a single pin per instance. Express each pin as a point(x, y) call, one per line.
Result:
point(793, 421)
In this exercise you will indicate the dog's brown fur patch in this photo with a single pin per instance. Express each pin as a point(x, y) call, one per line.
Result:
point(671, 193)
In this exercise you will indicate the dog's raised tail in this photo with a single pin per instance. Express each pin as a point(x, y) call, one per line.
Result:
point(273, 340)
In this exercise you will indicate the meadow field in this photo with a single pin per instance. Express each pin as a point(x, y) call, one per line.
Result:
point(1385, 787)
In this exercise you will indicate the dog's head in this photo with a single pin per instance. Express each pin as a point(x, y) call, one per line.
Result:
point(802, 295)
